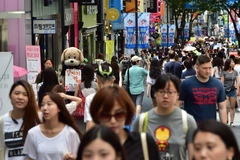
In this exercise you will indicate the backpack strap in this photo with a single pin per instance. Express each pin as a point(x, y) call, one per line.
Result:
point(184, 121)
point(143, 120)
point(144, 145)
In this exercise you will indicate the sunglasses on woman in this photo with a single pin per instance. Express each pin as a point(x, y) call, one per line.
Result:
point(106, 117)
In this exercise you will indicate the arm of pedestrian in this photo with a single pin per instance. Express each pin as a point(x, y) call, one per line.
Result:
point(190, 150)
point(148, 89)
point(89, 125)
point(69, 156)
point(222, 109)
point(222, 79)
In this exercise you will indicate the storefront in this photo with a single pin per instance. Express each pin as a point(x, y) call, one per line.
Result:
point(89, 19)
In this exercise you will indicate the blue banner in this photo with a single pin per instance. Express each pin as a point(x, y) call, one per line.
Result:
point(186, 31)
point(226, 31)
point(232, 32)
point(129, 25)
point(143, 30)
point(164, 35)
point(117, 24)
point(171, 35)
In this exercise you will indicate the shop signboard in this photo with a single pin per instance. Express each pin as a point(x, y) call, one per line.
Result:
point(6, 81)
point(43, 26)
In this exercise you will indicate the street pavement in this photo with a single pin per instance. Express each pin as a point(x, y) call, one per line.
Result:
point(147, 105)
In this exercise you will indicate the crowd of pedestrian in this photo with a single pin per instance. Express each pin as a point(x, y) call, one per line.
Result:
point(188, 90)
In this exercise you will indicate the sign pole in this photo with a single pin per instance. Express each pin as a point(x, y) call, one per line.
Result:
point(136, 25)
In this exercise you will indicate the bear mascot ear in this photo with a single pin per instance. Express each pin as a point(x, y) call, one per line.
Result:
point(63, 55)
point(81, 58)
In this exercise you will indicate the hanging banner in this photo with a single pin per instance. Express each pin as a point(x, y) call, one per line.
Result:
point(186, 31)
point(198, 31)
point(129, 25)
point(6, 81)
point(143, 27)
point(171, 35)
point(130, 6)
point(114, 14)
point(33, 59)
point(232, 32)
point(226, 31)
point(109, 50)
point(164, 35)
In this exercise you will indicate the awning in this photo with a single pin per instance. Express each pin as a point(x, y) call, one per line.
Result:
point(15, 14)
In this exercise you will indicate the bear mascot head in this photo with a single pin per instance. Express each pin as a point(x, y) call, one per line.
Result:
point(71, 58)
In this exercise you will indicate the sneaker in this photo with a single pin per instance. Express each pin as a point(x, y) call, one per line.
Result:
point(231, 124)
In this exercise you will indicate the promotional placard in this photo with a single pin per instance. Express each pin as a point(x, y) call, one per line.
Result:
point(72, 78)
point(33, 59)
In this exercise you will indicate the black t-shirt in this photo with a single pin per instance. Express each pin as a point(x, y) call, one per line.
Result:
point(133, 147)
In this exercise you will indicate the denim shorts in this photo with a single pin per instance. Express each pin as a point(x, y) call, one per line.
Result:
point(232, 93)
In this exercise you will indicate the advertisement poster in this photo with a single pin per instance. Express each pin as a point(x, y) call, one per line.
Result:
point(129, 25)
point(114, 14)
point(226, 31)
point(109, 50)
point(171, 35)
point(232, 32)
point(33, 59)
point(143, 27)
point(198, 31)
point(186, 31)
point(164, 35)
point(72, 78)
point(6, 81)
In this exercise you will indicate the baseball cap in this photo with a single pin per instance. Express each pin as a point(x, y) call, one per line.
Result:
point(135, 59)
point(104, 70)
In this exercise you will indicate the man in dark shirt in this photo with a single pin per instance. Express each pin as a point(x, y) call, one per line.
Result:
point(189, 69)
point(173, 66)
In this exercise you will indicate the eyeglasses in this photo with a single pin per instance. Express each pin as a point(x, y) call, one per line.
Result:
point(106, 117)
point(169, 93)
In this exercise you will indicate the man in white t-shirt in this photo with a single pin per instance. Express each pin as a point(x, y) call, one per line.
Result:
point(104, 78)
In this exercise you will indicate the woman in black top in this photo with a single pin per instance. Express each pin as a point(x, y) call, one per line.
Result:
point(113, 107)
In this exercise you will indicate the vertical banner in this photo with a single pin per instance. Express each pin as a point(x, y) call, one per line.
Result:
point(129, 25)
point(109, 50)
point(143, 27)
point(114, 14)
point(186, 31)
point(171, 35)
point(198, 31)
point(6, 81)
point(164, 35)
point(232, 32)
point(33, 59)
point(226, 31)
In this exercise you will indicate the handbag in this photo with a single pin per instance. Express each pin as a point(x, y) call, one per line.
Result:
point(79, 112)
